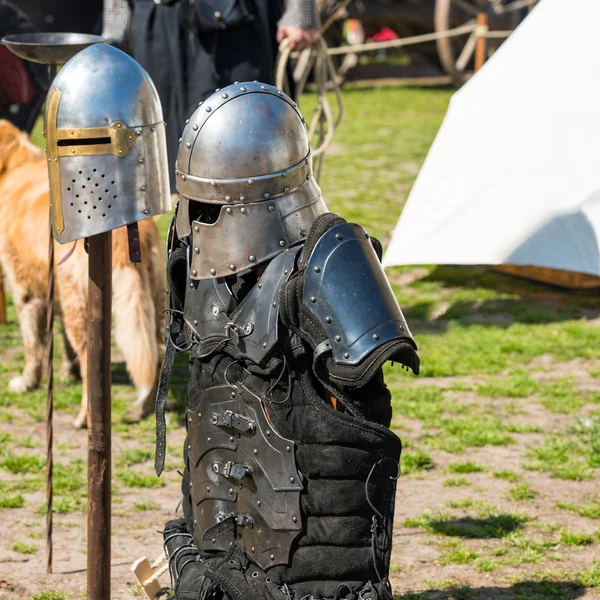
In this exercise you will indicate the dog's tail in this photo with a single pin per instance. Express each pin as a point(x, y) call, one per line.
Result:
point(135, 318)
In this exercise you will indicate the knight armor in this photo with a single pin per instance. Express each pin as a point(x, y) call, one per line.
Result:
point(290, 466)
point(106, 145)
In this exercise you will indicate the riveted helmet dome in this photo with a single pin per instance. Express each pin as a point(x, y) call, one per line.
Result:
point(106, 145)
point(245, 148)
point(245, 143)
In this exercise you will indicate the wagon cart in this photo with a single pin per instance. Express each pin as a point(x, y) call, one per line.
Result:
point(409, 18)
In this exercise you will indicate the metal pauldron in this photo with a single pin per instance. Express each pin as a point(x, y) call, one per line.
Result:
point(348, 293)
point(247, 235)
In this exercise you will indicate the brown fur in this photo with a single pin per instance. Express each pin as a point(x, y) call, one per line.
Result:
point(137, 289)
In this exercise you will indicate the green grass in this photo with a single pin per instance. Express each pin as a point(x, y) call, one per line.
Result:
point(591, 510)
point(49, 596)
point(414, 460)
point(496, 525)
point(457, 482)
point(569, 538)
point(521, 492)
point(22, 463)
point(507, 475)
point(133, 479)
point(144, 506)
point(465, 467)
point(128, 458)
point(11, 501)
point(23, 548)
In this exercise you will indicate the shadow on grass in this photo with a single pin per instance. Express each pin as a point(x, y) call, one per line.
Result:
point(495, 526)
point(527, 590)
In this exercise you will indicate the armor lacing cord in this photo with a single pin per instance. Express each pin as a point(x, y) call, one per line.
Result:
point(375, 524)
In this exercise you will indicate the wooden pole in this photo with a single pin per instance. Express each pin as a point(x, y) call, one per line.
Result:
point(99, 409)
point(481, 45)
point(2, 301)
point(52, 70)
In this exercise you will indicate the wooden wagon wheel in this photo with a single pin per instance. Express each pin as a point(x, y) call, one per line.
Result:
point(454, 53)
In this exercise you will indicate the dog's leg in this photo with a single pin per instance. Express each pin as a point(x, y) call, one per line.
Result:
point(32, 320)
point(69, 368)
point(74, 314)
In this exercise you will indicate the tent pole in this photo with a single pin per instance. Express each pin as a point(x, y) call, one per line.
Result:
point(481, 45)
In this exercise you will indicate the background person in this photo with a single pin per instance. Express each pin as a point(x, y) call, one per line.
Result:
point(192, 47)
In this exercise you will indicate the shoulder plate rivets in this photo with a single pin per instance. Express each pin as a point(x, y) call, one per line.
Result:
point(255, 452)
point(258, 502)
point(286, 271)
point(227, 198)
point(233, 394)
point(143, 188)
point(208, 109)
point(244, 210)
point(274, 304)
point(189, 448)
point(215, 312)
point(138, 131)
point(152, 128)
point(188, 145)
point(229, 210)
point(191, 286)
point(201, 103)
point(218, 89)
point(260, 285)
point(292, 480)
point(196, 228)
point(317, 269)
point(271, 208)
point(232, 267)
point(338, 338)
point(141, 161)
point(264, 344)
point(146, 212)
point(187, 121)
point(346, 355)
point(208, 440)
point(328, 320)
point(196, 250)
point(268, 433)
point(252, 258)
point(213, 183)
point(294, 519)
point(183, 177)
point(282, 243)
point(250, 181)
point(376, 336)
point(243, 89)
point(280, 92)
point(286, 190)
point(313, 299)
point(303, 232)
point(339, 236)
point(252, 549)
point(288, 449)
point(194, 272)
point(263, 87)
point(284, 175)
point(242, 198)
point(195, 127)
point(235, 82)
point(179, 142)
point(307, 176)
point(272, 557)
point(225, 96)
point(213, 272)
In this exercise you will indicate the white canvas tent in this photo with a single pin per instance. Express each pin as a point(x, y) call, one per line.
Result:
point(513, 176)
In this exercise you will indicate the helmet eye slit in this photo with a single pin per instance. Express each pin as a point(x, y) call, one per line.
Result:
point(85, 142)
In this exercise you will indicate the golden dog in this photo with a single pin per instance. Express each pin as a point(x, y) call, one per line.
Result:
point(138, 290)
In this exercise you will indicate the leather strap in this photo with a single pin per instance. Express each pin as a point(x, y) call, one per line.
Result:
point(161, 397)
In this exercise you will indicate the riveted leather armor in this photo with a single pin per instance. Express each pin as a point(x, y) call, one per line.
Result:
point(290, 466)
